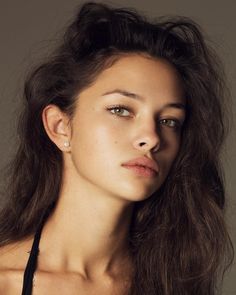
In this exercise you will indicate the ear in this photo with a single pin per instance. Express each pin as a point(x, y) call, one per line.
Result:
point(57, 127)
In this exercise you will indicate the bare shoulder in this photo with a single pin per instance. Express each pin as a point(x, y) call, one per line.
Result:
point(13, 259)
point(10, 282)
point(15, 255)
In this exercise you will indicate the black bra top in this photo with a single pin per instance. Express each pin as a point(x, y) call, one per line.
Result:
point(31, 264)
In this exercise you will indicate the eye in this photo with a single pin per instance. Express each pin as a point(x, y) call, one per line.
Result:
point(172, 123)
point(120, 110)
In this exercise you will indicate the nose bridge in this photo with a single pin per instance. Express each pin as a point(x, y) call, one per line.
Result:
point(147, 135)
point(149, 126)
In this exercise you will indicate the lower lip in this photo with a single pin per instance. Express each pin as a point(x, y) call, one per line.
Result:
point(142, 171)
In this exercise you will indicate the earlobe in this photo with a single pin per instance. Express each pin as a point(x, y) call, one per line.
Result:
point(57, 127)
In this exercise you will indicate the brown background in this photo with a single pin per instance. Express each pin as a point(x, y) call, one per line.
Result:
point(28, 29)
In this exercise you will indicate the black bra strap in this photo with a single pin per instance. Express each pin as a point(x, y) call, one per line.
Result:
point(31, 264)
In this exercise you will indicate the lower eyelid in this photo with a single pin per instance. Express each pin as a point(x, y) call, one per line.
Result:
point(119, 107)
point(177, 123)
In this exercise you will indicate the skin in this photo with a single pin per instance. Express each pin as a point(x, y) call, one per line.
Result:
point(84, 243)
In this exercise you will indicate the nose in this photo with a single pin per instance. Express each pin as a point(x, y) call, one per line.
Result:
point(147, 139)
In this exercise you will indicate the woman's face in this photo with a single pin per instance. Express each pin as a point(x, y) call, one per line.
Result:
point(133, 107)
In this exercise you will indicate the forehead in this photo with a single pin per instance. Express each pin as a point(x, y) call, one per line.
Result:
point(142, 75)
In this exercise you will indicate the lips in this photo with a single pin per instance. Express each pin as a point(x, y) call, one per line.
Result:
point(143, 162)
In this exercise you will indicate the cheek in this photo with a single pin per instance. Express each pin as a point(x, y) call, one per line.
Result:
point(174, 149)
point(170, 140)
point(170, 151)
point(98, 140)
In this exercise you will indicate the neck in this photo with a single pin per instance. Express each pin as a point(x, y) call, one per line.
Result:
point(88, 230)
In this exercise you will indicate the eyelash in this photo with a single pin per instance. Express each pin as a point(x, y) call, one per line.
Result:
point(177, 123)
point(115, 107)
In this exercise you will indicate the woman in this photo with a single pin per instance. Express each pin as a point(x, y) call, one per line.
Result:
point(116, 187)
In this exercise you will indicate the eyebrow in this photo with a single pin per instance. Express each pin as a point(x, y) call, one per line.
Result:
point(177, 105)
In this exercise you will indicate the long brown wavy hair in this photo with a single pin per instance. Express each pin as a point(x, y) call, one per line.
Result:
point(178, 237)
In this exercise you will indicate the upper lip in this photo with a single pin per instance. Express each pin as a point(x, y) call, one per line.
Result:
point(142, 161)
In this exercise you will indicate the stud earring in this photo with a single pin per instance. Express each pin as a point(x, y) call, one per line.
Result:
point(66, 144)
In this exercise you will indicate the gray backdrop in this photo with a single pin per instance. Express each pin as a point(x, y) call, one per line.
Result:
point(27, 26)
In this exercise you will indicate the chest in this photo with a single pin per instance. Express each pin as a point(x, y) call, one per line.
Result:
point(64, 284)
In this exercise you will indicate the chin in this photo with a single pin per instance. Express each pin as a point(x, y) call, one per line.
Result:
point(138, 195)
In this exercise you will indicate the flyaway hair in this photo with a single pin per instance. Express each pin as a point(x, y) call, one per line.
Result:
point(178, 237)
